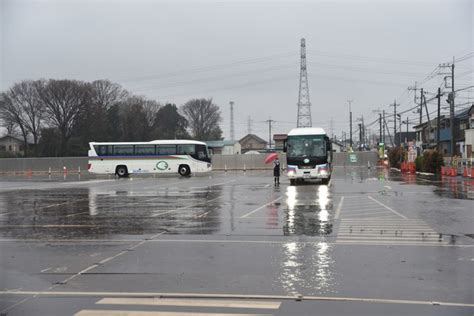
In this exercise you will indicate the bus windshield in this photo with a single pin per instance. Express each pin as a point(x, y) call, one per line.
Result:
point(306, 146)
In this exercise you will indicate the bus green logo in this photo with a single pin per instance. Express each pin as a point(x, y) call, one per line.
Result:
point(162, 165)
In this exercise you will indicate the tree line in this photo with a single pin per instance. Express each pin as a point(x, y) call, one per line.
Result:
point(60, 117)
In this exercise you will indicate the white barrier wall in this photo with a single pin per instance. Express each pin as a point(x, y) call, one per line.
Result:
point(219, 162)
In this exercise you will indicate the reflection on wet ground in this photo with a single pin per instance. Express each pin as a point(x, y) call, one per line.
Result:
point(308, 211)
point(225, 203)
point(307, 268)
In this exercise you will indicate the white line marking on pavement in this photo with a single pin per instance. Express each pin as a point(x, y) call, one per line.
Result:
point(95, 265)
point(80, 213)
point(185, 207)
point(86, 182)
point(339, 206)
point(232, 296)
point(190, 302)
point(261, 207)
point(388, 208)
point(91, 312)
point(213, 185)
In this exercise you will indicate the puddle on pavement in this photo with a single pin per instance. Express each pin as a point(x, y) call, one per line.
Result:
point(91, 213)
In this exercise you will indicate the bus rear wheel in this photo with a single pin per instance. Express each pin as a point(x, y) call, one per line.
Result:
point(121, 171)
point(292, 181)
point(184, 170)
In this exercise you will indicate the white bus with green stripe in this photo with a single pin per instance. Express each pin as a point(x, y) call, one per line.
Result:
point(184, 157)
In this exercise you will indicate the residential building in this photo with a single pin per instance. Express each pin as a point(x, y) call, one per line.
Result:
point(11, 145)
point(426, 133)
point(252, 142)
point(406, 137)
point(224, 147)
point(279, 139)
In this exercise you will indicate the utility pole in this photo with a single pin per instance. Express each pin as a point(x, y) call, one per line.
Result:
point(360, 136)
point(363, 129)
point(426, 109)
point(380, 128)
point(232, 130)
point(383, 123)
point(451, 108)
point(350, 122)
point(388, 131)
point(270, 121)
point(394, 117)
point(438, 123)
point(400, 135)
point(331, 127)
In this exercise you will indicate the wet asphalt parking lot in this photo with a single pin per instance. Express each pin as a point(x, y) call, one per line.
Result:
point(372, 242)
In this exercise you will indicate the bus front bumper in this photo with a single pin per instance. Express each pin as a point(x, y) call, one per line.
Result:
point(316, 173)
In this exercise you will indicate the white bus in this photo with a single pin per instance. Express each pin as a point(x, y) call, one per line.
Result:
point(308, 154)
point(159, 156)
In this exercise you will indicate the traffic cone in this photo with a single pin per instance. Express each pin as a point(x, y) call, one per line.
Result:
point(453, 172)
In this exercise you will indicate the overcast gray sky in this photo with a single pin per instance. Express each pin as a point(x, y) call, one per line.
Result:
point(245, 51)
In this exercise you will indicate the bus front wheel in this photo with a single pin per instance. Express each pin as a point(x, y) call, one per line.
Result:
point(121, 171)
point(184, 170)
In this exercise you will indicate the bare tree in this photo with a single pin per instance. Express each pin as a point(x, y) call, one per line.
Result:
point(203, 117)
point(64, 100)
point(25, 96)
point(133, 120)
point(106, 93)
point(12, 115)
point(151, 108)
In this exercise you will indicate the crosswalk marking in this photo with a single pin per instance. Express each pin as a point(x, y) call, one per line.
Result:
point(366, 220)
point(219, 304)
point(92, 312)
point(191, 302)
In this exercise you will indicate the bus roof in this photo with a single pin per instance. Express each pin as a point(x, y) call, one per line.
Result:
point(307, 131)
point(154, 142)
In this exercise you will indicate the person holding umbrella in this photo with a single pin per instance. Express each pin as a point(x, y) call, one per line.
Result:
point(276, 166)
point(276, 171)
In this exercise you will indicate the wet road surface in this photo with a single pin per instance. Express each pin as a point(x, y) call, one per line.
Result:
point(371, 242)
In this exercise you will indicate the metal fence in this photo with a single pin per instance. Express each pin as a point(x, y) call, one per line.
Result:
point(219, 162)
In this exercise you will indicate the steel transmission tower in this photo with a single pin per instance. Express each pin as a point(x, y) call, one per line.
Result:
point(232, 130)
point(304, 106)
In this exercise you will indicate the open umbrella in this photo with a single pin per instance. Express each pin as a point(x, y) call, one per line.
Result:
point(271, 157)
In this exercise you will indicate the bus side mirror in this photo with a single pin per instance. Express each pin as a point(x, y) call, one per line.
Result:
point(284, 146)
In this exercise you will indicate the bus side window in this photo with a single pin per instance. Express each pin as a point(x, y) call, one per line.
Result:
point(101, 150)
point(166, 149)
point(186, 150)
point(144, 150)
